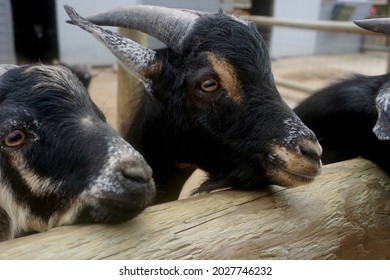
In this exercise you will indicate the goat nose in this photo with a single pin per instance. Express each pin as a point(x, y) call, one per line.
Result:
point(310, 149)
point(137, 171)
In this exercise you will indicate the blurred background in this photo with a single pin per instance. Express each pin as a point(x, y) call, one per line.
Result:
point(304, 58)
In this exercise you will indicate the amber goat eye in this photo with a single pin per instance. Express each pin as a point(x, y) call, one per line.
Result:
point(15, 138)
point(209, 85)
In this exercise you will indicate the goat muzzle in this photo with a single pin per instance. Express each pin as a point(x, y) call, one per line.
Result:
point(294, 167)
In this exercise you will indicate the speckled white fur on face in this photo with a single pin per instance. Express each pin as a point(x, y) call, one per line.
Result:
point(119, 152)
point(295, 129)
point(382, 126)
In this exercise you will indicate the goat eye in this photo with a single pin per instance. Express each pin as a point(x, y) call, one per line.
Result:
point(209, 85)
point(15, 138)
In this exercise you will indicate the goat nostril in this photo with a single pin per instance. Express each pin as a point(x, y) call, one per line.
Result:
point(139, 172)
point(310, 149)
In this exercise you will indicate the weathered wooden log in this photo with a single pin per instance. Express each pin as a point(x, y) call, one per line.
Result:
point(344, 214)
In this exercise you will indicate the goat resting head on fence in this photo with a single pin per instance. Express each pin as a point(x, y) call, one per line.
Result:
point(60, 162)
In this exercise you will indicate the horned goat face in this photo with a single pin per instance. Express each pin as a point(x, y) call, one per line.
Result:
point(213, 96)
point(60, 162)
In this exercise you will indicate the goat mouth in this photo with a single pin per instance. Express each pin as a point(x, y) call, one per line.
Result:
point(111, 210)
point(290, 178)
point(291, 169)
point(136, 203)
point(111, 215)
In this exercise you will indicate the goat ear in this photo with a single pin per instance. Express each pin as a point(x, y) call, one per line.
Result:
point(5, 67)
point(382, 126)
point(134, 57)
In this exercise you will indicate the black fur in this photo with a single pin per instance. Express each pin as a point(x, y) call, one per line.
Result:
point(343, 115)
point(50, 115)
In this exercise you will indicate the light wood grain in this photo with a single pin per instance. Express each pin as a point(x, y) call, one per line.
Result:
point(344, 214)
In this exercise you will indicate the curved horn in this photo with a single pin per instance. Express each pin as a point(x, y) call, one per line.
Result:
point(381, 25)
point(166, 24)
point(133, 56)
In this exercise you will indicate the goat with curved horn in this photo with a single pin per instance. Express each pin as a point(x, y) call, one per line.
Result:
point(168, 25)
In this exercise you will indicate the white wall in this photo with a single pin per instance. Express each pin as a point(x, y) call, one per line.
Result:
point(76, 46)
point(7, 50)
point(283, 39)
point(292, 42)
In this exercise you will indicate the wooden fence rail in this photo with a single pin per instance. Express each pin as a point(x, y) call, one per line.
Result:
point(344, 214)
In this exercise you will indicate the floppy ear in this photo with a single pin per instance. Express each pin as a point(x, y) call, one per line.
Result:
point(5, 67)
point(382, 126)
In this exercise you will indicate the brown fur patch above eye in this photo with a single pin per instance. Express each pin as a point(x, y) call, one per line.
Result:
point(228, 77)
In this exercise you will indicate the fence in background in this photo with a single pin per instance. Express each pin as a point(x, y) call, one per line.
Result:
point(306, 73)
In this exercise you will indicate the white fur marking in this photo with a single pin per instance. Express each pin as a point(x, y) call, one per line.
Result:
point(382, 126)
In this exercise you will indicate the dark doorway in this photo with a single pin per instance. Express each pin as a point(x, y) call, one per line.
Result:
point(35, 30)
point(263, 8)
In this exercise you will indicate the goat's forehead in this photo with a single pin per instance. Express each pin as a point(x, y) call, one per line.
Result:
point(46, 79)
point(41, 90)
point(49, 71)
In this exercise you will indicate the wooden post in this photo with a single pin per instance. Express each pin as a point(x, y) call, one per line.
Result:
point(127, 83)
point(344, 214)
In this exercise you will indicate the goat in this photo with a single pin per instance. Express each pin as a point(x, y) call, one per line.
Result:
point(352, 117)
point(60, 162)
point(208, 101)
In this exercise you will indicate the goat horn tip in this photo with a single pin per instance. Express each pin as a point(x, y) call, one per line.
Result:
point(381, 25)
